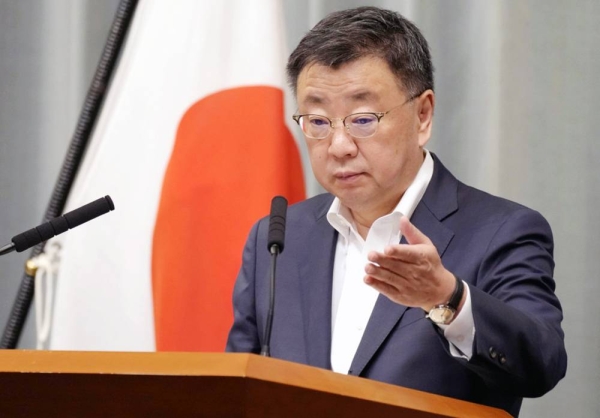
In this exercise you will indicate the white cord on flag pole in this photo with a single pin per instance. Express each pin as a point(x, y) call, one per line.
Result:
point(45, 278)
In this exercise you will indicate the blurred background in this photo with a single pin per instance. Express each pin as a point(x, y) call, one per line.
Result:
point(516, 88)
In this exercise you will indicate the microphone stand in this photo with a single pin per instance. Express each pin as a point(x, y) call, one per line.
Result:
point(266, 350)
point(275, 243)
point(8, 248)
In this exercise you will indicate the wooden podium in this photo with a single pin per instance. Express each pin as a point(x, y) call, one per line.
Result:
point(108, 384)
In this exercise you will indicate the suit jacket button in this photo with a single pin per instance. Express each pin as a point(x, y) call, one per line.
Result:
point(493, 352)
point(502, 359)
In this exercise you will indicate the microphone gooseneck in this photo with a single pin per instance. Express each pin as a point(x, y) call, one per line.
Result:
point(8, 248)
point(275, 245)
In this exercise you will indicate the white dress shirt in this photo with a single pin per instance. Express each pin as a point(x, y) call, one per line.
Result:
point(353, 300)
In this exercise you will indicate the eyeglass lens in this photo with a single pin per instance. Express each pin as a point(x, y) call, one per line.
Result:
point(360, 125)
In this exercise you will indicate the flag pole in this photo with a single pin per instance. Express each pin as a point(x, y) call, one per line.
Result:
point(87, 119)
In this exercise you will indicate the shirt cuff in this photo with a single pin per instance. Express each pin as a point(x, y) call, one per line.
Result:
point(460, 333)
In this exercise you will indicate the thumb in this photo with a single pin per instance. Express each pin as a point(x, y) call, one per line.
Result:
point(411, 233)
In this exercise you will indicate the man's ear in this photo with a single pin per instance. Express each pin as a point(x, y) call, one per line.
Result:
point(425, 104)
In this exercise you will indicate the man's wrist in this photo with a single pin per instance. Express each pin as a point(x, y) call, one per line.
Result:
point(449, 287)
point(445, 313)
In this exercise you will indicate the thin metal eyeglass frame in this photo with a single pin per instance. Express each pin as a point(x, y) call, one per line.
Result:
point(378, 115)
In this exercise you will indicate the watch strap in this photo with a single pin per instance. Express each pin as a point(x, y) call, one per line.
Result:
point(457, 294)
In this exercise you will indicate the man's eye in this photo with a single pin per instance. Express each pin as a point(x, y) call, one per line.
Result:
point(363, 120)
point(319, 122)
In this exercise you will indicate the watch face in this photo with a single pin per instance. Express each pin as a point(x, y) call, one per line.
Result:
point(441, 314)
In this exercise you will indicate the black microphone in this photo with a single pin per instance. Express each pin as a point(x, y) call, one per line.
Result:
point(59, 225)
point(275, 244)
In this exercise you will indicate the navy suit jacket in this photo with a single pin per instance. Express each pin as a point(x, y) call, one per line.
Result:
point(501, 249)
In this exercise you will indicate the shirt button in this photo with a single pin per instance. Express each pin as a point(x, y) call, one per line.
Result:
point(493, 352)
point(460, 338)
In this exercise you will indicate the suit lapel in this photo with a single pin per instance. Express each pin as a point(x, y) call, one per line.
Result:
point(316, 271)
point(439, 201)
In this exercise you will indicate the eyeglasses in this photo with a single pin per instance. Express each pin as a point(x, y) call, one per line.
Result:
point(358, 125)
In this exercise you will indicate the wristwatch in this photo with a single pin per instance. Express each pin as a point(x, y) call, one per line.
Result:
point(444, 314)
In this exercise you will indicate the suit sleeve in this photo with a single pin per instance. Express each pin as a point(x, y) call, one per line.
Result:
point(244, 335)
point(519, 344)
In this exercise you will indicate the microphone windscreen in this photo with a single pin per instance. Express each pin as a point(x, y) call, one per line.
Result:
point(88, 212)
point(277, 223)
point(62, 223)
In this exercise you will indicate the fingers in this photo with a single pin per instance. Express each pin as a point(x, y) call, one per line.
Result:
point(408, 265)
point(394, 271)
point(400, 252)
point(386, 289)
point(396, 288)
point(382, 274)
point(419, 245)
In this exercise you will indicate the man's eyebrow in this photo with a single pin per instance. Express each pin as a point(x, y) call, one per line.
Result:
point(360, 96)
point(363, 96)
point(312, 99)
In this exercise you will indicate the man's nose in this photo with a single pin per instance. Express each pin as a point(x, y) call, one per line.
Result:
point(342, 143)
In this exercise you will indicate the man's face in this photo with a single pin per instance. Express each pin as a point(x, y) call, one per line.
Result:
point(368, 175)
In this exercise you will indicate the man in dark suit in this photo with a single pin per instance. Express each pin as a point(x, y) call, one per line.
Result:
point(401, 273)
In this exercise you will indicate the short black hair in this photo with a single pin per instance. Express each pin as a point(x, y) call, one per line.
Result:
point(348, 35)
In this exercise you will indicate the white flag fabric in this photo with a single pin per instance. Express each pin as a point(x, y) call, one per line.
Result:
point(177, 145)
